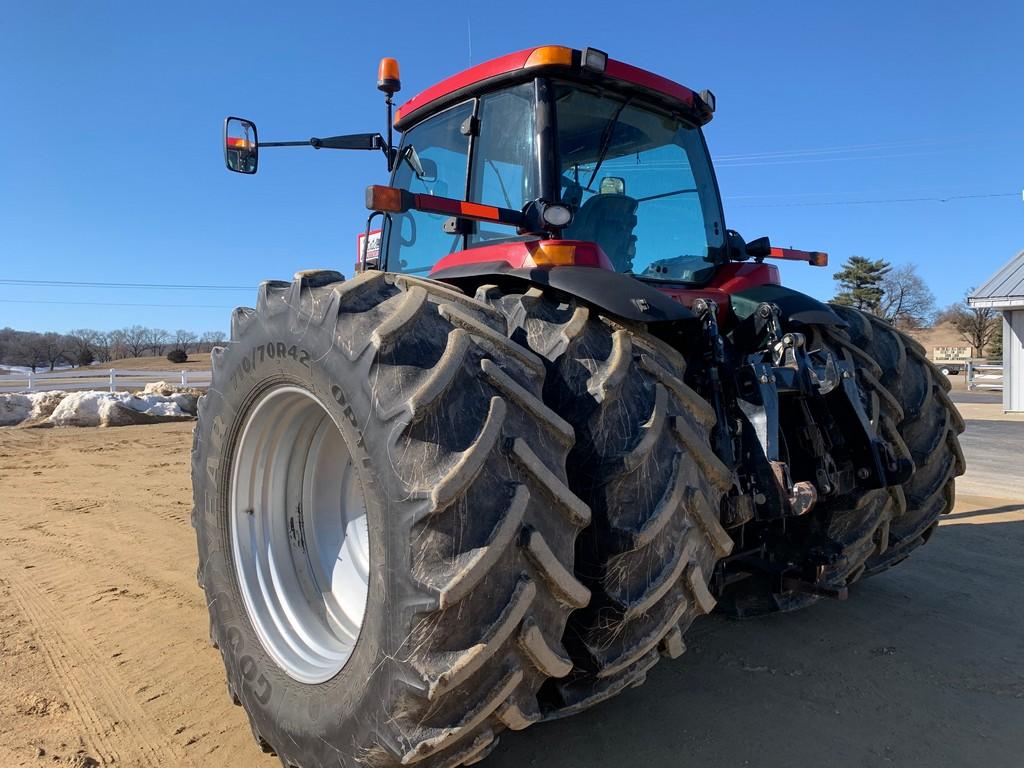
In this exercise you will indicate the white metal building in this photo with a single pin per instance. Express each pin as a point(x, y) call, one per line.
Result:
point(1005, 292)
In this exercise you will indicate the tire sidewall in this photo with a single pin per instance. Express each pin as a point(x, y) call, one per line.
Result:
point(283, 710)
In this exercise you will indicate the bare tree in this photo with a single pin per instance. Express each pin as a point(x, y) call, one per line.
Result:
point(906, 301)
point(101, 344)
point(117, 347)
point(212, 339)
point(977, 325)
point(157, 340)
point(83, 345)
point(33, 350)
point(184, 339)
point(7, 344)
point(136, 339)
point(54, 347)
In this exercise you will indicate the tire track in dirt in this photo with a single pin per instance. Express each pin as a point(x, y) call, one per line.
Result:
point(105, 556)
point(61, 641)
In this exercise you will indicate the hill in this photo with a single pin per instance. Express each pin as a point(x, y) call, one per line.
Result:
point(197, 361)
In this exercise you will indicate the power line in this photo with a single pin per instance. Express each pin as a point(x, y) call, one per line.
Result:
point(115, 304)
point(834, 149)
point(158, 286)
point(945, 199)
point(819, 159)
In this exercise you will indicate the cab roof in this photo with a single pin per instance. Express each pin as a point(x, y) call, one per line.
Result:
point(588, 65)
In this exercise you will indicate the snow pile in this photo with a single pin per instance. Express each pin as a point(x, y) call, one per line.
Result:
point(187, 398)
point(114, 409)
point(15, 409)
point(96, 409)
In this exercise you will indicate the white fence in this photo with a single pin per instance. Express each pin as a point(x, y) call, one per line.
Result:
point(984, 376)
point(110, 379)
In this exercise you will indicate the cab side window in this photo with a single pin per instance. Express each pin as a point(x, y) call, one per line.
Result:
point(432, 160)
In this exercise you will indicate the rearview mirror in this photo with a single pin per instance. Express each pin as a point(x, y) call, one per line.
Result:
point(241, 146)
point(613, 185)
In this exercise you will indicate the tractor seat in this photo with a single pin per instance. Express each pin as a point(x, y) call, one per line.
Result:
point(608, 220)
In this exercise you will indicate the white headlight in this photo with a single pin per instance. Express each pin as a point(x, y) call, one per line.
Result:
point(594, 59)
point(557, 215)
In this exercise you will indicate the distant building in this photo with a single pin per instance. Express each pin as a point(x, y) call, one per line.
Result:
point(1005, 292)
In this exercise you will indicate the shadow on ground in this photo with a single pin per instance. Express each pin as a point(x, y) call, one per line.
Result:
point(923, 666)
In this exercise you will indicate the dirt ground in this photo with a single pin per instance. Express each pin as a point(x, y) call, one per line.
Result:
point(104, 658)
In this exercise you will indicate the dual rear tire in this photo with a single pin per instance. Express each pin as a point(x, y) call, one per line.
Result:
point(867, 531)
point(919, 419)
point(389, 537)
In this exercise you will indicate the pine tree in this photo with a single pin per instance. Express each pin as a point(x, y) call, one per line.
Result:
point(995, 347)
point(860, 283)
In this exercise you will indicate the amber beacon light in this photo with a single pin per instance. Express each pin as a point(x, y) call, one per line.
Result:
point(387, 76)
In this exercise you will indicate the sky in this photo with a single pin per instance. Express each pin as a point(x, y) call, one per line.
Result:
point(111, 166)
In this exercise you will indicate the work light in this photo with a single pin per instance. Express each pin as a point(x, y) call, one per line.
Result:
point(594, 59)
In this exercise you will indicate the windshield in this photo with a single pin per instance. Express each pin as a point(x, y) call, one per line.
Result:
point(640, 184)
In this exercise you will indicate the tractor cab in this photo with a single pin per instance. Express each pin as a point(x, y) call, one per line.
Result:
point(539, 166)
point(573, 147)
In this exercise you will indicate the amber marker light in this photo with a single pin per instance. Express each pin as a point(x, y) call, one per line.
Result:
point(386, 199)
point(554, 255)
point(550, 54)
point(818, 259)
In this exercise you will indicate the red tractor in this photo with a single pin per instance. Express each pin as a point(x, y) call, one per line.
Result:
point(492, 479)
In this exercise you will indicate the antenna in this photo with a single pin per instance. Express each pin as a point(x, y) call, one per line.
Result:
point(469, 36)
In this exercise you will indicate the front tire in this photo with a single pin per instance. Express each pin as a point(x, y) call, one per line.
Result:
point(406, 400)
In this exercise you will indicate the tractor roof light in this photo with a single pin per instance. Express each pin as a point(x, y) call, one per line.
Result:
point(818, 259)
point(388, 79)
point(708, 98)
point(594, 60)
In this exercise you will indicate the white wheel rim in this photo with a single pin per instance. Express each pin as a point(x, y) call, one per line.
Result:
point(299, 534)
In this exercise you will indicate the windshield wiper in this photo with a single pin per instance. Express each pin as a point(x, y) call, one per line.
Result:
point(606, 140)
point(497, 173)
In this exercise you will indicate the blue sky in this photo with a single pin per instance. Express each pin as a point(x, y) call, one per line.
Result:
point(111, 167)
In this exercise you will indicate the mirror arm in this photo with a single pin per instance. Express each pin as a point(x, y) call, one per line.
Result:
point(369, 141)
point(282, 144)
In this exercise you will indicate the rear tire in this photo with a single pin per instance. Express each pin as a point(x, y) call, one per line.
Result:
point(643, 462)
point(927, 423)
point(470, 524)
